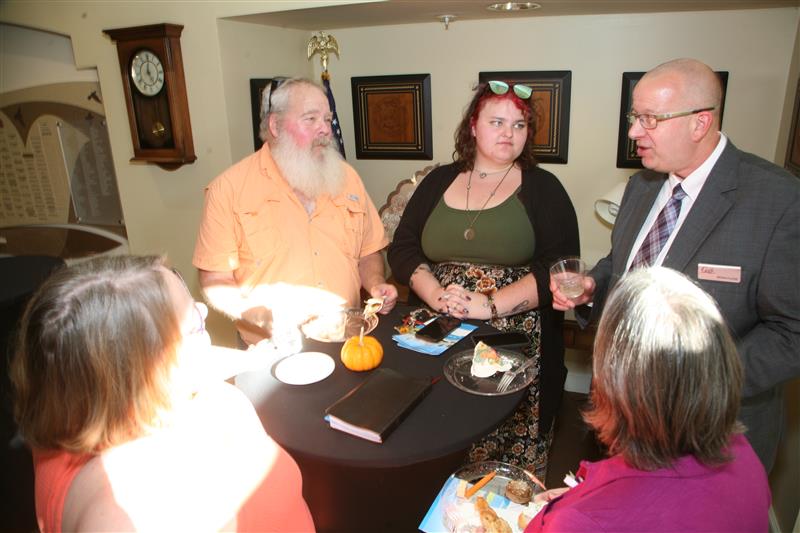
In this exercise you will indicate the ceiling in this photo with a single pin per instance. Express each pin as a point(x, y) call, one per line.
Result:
point(419, 11)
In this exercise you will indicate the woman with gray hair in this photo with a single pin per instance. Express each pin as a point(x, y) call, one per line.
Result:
point(665, 396)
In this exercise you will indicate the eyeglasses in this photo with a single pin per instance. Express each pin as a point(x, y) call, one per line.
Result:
point(266, 95)
point(649, 122)
point(200, 309)
point(501, 87)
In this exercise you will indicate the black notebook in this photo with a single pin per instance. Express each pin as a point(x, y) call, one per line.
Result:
point(376, 406)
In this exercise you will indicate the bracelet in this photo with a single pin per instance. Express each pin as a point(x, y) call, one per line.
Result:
point(492, 306)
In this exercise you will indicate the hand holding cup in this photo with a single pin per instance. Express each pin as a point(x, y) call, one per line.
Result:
point(567, 281)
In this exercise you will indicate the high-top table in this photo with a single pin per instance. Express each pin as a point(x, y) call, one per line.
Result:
point(352, 484)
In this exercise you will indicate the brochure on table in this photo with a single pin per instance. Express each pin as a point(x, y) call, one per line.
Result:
point(410, 341)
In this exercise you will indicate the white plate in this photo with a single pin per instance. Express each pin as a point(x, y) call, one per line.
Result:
point(304, 368)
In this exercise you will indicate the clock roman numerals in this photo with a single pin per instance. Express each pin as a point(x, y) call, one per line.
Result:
point(147, 72)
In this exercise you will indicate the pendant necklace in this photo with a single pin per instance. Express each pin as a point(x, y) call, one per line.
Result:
point(469, 233)
point(482, 175)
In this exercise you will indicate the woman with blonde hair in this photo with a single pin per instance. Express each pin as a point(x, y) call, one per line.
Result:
point(665, 397)
point(127, 428)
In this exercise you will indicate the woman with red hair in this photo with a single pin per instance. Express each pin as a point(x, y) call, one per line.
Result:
point(476, 241)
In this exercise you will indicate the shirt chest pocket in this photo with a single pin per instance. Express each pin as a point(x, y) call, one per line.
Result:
point(349, 227)
point(259, 233)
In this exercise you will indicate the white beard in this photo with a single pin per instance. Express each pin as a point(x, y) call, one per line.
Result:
point(312, 172)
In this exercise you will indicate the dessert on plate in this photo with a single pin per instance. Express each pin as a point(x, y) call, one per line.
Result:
point(486, 362)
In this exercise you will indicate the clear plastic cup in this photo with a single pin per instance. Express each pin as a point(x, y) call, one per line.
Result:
point(568, 274)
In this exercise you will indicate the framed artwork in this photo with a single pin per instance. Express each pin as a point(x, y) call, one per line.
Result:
point(793, 150)
point(392, 116)
point(550, 101)
point(626, 148)
point(257, 86)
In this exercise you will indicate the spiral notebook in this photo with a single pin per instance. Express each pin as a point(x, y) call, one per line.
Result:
point(375, 407)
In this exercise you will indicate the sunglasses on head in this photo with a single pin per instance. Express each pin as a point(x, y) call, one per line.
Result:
point(501, 87)
point(266, 95)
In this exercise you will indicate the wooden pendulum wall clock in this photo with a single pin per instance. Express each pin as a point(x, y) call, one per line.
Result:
point(155, 93)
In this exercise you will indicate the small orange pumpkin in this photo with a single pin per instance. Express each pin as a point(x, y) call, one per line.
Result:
point(362, 353)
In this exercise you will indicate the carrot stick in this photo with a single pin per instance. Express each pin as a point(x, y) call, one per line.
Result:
point(477, 486)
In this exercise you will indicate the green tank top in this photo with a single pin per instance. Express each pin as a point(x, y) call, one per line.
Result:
point(503, 234)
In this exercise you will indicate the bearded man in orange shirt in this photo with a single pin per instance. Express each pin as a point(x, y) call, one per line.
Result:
point(291, 227)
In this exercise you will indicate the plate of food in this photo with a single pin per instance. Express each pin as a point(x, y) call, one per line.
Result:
point(480, 370)
point(488, 495)
point(340, 325)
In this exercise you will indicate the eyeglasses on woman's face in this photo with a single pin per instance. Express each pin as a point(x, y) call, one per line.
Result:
point(650, 121)
point(501, 87)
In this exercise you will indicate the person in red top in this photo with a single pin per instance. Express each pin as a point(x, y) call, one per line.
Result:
point(131, 425)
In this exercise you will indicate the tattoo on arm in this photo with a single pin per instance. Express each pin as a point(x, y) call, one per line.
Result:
point(423, 267)
point(522, 306)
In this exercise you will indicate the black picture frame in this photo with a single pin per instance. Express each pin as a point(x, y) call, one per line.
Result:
point(257, 86)
point(551, 103)
point(793, 149)
point(626, 148)
point(392, 116)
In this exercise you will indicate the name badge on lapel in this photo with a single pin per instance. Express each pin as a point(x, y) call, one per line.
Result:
point(723, 273)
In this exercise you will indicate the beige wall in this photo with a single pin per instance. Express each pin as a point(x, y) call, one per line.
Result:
point(162, 209)
point(253, 51)
point(755, 46)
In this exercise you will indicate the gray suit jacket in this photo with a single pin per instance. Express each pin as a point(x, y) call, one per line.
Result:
point(747, 215)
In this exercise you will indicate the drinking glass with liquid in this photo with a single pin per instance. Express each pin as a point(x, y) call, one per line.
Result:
point(568, 274)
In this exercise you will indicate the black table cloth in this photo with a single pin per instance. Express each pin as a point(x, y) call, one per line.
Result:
point(353, 484)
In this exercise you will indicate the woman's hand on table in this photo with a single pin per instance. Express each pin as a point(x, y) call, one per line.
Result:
point(463, 304)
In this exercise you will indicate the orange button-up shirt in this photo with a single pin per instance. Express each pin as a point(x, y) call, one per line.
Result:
point(254, 225)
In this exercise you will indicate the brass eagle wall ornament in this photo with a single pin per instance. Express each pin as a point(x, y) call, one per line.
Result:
point(323, 44)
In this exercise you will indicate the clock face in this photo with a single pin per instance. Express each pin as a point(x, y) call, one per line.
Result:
point(147, 72)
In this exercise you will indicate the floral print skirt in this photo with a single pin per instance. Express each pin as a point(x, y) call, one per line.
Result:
point(517, 440)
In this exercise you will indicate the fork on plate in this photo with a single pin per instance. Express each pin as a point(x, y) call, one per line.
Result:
point(509, 375)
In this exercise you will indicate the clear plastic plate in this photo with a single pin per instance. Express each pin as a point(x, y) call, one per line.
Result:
point(338, 327)
point(457, 371)
point(459, 514)
point(504, 473)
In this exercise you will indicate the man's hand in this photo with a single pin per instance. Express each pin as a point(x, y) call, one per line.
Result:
point(388, 293)
point(562, 303)
point(255, 325)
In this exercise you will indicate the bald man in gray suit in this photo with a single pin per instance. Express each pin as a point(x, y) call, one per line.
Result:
point(735, 230)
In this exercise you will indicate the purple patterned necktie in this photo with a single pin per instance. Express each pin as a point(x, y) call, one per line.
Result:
point(662, 228)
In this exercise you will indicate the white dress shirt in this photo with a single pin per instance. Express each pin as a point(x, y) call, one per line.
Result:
point(692, 185)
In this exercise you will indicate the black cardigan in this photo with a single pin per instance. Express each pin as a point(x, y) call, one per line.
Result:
point(555, 227)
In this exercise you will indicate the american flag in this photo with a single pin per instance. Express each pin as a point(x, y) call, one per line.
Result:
point(337, 130)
